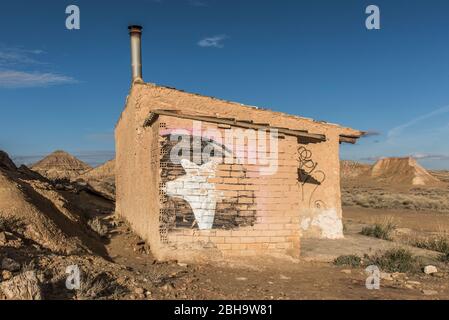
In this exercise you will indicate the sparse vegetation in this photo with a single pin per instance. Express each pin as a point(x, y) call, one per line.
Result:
point(438, 243)
point(382, 230)
point(349, 260)
point(98, 287)
point(445, 257)
point(394, 260)
point(417, 199)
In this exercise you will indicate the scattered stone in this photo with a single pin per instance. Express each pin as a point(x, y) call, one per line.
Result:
point(183, 265)
point(346, 271)
point(386, 276)
point(10, 265)
point(139, 291)
point(3, 239)
point(403, 231)
point(429, 292)
point(282, 277)
point(6, 275)
point(22, 287)
point(397, 275)
point(438, 275)
point(168, 287)
point(430, 269)
point(241, 279)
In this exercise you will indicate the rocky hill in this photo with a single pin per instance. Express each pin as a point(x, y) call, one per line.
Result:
point(402, 171)
point(60, 165)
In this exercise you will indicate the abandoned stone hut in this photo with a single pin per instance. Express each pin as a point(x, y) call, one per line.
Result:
point(199, 176)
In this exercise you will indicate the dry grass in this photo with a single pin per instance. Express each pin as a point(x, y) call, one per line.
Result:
point(383, 229)
point(438, 243)
point(98, 287)
point(350, 260)
point(394, 260)
point(417, 199)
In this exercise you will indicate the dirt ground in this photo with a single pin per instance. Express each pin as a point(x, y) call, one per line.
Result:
point(267, 279)
point(116, 264)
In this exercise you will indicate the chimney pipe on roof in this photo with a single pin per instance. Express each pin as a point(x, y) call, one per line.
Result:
point(135, 33)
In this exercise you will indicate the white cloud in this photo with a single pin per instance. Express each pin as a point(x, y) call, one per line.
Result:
point(21, 79)
point(15, 64)
point(214, 42)
point(17, 56)
point(397, 131)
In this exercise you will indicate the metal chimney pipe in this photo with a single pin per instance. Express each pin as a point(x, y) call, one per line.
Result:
point(135, 33)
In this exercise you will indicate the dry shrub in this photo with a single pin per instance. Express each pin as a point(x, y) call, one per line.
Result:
point(98, 287)
point(394, 260)
point(439, 243)
point(349, 260)
point(383, 229)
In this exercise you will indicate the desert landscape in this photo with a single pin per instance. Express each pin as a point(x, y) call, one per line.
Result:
point(59, 212)
point(156, 151)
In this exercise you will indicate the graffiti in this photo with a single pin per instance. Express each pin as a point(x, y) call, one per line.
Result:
point(188, 199)
point(308, 174)
point(197, 191)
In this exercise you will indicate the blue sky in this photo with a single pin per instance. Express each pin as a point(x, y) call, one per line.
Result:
point(64, 89)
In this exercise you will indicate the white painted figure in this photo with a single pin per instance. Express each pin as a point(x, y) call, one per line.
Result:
point(194, 188)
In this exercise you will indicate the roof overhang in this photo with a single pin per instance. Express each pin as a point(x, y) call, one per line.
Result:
point(303, 135)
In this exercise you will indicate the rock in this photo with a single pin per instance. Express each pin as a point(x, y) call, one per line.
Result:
point(438, 275)
point(183, 265)
point(396, 275)
point(403, 231)
point(241, 279)
point(10, 265)
point(22, 287)
point(6, 275)
point(386, 276)
point(139, 291)
point(346, 271)
point(429, 292)
point(168, 287)
point(3, 239)
point(282, 277)
point(430, 269)
point(413, 284)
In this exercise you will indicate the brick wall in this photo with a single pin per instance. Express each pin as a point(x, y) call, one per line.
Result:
point(254, 213)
